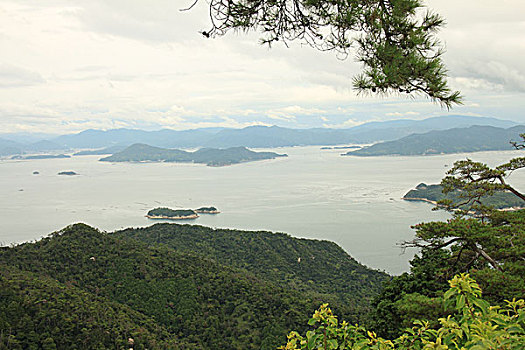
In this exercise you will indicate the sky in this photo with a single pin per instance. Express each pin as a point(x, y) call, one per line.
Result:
point(67, 66)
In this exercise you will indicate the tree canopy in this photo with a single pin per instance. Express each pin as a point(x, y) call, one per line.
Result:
point(485, 242)
point(394, 40)
point(476, 179)
point(474, 324)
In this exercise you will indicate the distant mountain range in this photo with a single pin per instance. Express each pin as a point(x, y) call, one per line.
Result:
point(210, 156)
point(472, 139)
point(253, 136)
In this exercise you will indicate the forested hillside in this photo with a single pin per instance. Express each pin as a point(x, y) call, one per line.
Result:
point(457, 140)
point(158, 295)
point(301, 264)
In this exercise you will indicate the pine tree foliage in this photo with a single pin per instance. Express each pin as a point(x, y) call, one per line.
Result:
point(394, 40)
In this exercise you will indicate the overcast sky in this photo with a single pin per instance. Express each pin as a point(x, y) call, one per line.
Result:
point(67, 66)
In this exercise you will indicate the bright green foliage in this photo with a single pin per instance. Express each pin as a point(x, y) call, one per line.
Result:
point(395, 40)
point(474, 325)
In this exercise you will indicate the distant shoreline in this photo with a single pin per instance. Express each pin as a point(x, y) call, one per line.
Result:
point(194, 216)
point(436, 203)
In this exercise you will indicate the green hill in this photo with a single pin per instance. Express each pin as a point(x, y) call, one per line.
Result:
point(37, 311)
point(458, 140)
point(301, 264)
point(209, 156)
point(158, 295)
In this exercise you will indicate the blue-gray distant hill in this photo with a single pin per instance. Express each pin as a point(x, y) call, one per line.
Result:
point(8, 147)
point(458, 140)
point(272, 136)
point(396, 129)
point(43, 156)
point(209, 156)
point(252, 137)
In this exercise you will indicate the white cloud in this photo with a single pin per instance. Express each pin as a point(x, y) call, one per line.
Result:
point(402, 114)
point(13, 76)
point(76, 64)
point(346, 124)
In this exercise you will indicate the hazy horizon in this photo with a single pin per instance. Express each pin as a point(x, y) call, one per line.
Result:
point(68, 66)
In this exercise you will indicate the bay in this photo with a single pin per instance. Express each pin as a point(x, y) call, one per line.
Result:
point(353, 201)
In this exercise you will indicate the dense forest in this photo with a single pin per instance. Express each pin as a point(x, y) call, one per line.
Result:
point(82, 289)
point(300, 264)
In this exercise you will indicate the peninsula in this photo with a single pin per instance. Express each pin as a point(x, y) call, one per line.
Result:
point(458, 140)
point(434, 193)
point(167, 213)
point(210, 156)
point(42, 156)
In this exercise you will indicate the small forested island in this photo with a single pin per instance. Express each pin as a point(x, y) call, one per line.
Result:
point(36, 172)
point(209, 156)
point(167, 213)
point(69, 173)
point(434, 193)
point(207, 210)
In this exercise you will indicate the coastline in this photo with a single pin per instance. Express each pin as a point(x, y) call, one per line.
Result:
point(194, 216)
point(414, 199)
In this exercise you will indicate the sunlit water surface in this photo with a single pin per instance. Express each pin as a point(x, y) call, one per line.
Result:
point(313, 193)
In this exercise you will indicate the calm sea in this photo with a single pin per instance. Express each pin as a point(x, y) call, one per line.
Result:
point(314, 193)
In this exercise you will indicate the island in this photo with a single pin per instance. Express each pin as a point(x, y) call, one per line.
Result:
point(457, 140)
point(36, 172)
point(207, 210)
point(210, 156)
point(69, 173)
point(167, 213)
point(43, 156)
point(434, 193)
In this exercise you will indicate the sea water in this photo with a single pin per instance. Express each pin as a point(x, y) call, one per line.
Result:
point(353, 201)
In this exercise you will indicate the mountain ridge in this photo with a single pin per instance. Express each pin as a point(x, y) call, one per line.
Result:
point(252, 136)
point(457, 140)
